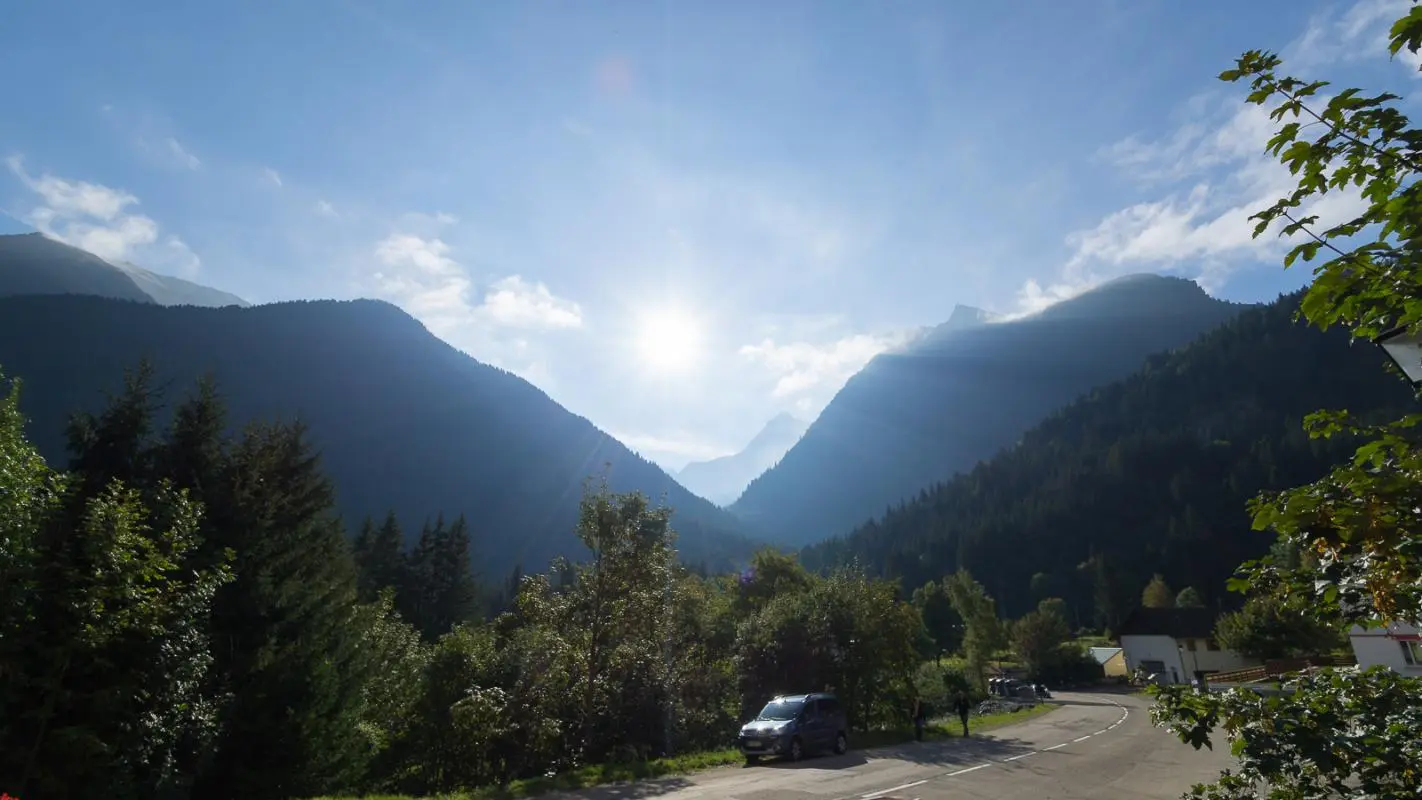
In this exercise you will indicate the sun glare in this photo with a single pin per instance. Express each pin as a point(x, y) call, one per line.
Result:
point(668, 341)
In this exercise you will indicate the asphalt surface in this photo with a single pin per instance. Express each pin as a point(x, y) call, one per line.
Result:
point(1099, 746)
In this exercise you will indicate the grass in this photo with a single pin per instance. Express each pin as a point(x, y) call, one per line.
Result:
point(600, 774)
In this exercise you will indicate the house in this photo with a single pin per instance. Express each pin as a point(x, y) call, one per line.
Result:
point(1176, 643)
point(1397, 646)
point(1112, 661)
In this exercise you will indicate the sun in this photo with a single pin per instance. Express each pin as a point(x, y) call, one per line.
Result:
point(669, 341)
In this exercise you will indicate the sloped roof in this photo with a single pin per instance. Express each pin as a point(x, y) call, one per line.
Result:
point(1104, 654)
point(1178, 623)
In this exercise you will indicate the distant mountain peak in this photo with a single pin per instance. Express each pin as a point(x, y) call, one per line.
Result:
point(968, 317)
point(721, 480)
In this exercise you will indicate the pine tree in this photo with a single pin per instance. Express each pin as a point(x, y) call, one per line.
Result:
point(385, 563)
point(289, 651)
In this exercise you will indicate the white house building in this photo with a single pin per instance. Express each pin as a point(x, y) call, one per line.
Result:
point(1176, 643)
point(1397, 647)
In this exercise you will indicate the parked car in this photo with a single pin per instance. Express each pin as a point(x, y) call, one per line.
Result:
point(793, 726)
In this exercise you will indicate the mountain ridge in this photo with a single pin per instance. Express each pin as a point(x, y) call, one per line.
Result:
point(912, 418)
point(404, 421)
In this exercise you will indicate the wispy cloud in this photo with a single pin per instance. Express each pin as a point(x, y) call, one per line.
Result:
point(182, 156)
point(325, 209)
point(98, 219)
point(1358, 31)
point(513, 302)
point(272, 176)
point(809, 374)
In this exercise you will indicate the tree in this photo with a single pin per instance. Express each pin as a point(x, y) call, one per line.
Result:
point(940, 621)
point(1189, 598)
point(983, 634)
point(1037, 639)
point(1157, 594)
point(103, 642)
point(1359, 521)
point(293, 657)
point(1266, 628)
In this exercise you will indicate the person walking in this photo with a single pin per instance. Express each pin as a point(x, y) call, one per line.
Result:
point(919, 714)
point(961, 706)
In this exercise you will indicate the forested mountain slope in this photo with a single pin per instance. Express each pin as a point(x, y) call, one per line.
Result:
point(1147, 475)
point(404, 421)
point(960, 393)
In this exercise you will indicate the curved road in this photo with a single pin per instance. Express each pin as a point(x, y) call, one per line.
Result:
point(1097, 745)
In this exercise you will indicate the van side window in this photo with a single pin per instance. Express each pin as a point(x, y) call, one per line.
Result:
point(829, 705)
point(812, 708)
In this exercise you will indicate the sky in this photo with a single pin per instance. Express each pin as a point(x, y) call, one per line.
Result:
point(676, 218)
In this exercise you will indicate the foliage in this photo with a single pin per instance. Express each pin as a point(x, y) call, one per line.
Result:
point(1189, 598)
point(103, 642)
point(1157, 594)
point(1268, 627)
point(983, 632)
point(1337, 733)
point(1038, 640)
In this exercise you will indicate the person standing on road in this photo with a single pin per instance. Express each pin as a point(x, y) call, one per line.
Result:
point(961, 706)
point(918, 720)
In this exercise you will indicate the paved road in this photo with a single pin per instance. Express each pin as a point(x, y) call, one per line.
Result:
point(1097, 746)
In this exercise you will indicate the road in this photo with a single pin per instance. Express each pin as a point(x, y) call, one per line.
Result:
point(1099, 746)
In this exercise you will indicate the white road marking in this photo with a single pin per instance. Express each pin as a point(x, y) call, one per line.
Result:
point(882, 792)
point(969, 769)
point(1125, 713)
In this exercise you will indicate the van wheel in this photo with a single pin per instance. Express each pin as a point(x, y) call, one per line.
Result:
point(841, 744)
point(797, 751)
point(751, 761)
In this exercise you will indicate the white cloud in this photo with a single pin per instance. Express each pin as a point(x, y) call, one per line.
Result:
point(183, 157)
point(420, 274)
point(513, 302)
point(809, 374)
point(325, 209)
point(1360, 31)
point(683, 447)
point(96, 218)
point(273, 176)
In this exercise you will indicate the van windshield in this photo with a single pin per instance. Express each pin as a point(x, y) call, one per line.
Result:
point(781, 709)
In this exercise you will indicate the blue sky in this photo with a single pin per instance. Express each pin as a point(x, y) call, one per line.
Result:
point(677, 218)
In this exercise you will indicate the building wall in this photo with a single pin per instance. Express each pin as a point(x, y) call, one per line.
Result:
point(1375, 648)
point(1167, 651)
point(1116, 665)
point(1162, 649)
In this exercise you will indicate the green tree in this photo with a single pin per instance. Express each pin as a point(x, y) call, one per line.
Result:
point(1360, 519)
point(983, 633)
point(1157, 594)
point(942, 623)
point(1267, 627)
point(1038, 637)
point(103, 641)
point(380, 559)
point(293, 657)
point(1189, 598)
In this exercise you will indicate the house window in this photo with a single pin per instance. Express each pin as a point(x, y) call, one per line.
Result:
point(1211, 644)
point(1190, 645)
point(1411, 653)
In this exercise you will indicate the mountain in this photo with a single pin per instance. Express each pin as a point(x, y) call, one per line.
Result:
point(958, 394)
point(404, 421)
point(170, 291)
point(1147, 475)
point(32, 263)
point(721, 480)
